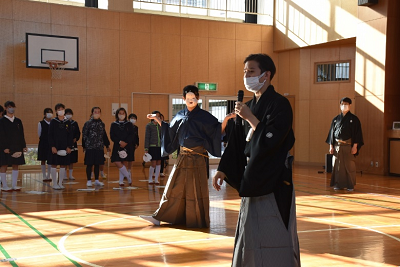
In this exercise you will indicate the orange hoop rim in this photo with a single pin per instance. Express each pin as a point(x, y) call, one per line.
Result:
point(56, 63)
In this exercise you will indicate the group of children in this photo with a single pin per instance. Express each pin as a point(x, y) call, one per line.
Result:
point(58, 138)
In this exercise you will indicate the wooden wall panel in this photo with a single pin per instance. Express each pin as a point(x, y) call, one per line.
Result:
point(221, 30)
point(103, 62)
point(31, 11)
point(72, 82)
point(248, 32)
point(29, 80)
point(306, 74)
point(135, 22)
point(165, 63)
point(243, 49)
point(284, 71)
point(191, 27)
point(222, 65)
point(6, 7)
point(6, 57)
point(165, 25)
point(294, 72)
point(267, 34)
point(302, 131)
point(68, 15)
point(135, 71)
point(194, 60)
point(31, 112)
point(97, 18)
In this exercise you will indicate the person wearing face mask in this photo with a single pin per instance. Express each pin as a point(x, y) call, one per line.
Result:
point(121, 133)
point(266, 233)
point(196, 133)
point(61, 138)
point(74, 150)
point(94, 139)
point(12, 146)
point(135, 142)
point(345, 140)
point(43, 147)
point(152, 145)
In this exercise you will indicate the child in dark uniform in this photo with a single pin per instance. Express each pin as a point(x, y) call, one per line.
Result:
point(74, 150)
point(135, 142)
point(94, 139)
point(60, 142)
point(121, 134)
point(12, 146)
point(43, 147)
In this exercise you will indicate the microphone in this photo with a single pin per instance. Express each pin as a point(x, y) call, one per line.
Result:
point(239, 99)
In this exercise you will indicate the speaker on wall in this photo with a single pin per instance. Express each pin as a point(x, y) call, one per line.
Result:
point(92, 3)
point(367, 2)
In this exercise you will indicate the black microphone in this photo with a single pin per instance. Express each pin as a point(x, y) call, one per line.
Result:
point(239, 99)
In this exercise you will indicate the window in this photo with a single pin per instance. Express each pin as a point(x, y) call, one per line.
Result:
point(333, 72)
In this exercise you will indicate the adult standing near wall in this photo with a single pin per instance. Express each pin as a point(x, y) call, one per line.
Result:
point(266, 233)
point(345, 140)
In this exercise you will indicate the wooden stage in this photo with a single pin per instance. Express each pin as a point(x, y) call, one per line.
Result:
point(40, 226)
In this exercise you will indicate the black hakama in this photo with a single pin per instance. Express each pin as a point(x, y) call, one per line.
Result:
point(12, 138)
point(60, 137)
point(121, 131)
point(43, 147)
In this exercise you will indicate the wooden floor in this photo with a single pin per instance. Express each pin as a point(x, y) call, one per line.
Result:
point(102, 228)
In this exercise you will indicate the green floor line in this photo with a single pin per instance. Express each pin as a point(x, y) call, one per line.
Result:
point(38, 232)
point(7, 256)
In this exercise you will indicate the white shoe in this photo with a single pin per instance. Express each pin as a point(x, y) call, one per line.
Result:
point(16, 188)
point(6, 188)
point(162, 174)
point(72, 178)
point(150, 219)
point(89, 183)
point(97, 182)
point(56, 186)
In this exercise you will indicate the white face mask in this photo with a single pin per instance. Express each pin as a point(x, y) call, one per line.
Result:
point(121, 117)
point(96, 116)
point(49, 115)
point(11, 110)
point(61, 112)
point(253, 84)
point(344, 108)
point(133, 121)
point(69, 116)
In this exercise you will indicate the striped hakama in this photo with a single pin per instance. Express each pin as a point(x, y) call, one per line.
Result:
point(262, 239)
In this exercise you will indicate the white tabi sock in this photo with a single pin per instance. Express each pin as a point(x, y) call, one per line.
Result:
point(48, 171)
point(151, 171)
point(124, 173)
point(43, 171)
point(4, 181)
point(158, 168)
point(70, 173)
point(60, 179)
point(54, 178)
point(14, 178)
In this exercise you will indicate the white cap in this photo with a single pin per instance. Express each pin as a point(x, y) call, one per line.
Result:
point(147, 157)
point(62, 152)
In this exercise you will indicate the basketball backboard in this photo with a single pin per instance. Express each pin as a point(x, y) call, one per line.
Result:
point(43, 47)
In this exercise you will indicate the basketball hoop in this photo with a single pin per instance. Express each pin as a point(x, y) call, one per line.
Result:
point(56, 67)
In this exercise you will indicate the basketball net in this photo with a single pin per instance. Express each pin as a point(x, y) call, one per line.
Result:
point(56, 67)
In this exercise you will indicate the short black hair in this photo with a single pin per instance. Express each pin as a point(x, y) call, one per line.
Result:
point(156, 111)
point(190, 89)
point(1, 109)
point(9, 104)
point(59, 105)
point(47, 110)
point(132, 115)
point(93, 108)
point(69, 111)
point(345, 99)
point(265, 63)
point(117, 112)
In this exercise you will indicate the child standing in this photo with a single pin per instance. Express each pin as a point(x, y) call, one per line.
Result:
point(94, 139)
point(74, 150)
point(152, 145)
point(135, 142)
point(60, 142)
point(43, 147)
point(12, 146)
point(121, 134)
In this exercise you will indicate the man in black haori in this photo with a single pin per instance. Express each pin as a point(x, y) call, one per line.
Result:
point(345, 140)
point(257, 163)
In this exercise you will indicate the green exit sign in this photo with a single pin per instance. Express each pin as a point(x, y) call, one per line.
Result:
point(206, 86)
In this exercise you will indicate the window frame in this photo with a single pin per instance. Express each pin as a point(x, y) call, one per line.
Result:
point(331, 63)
